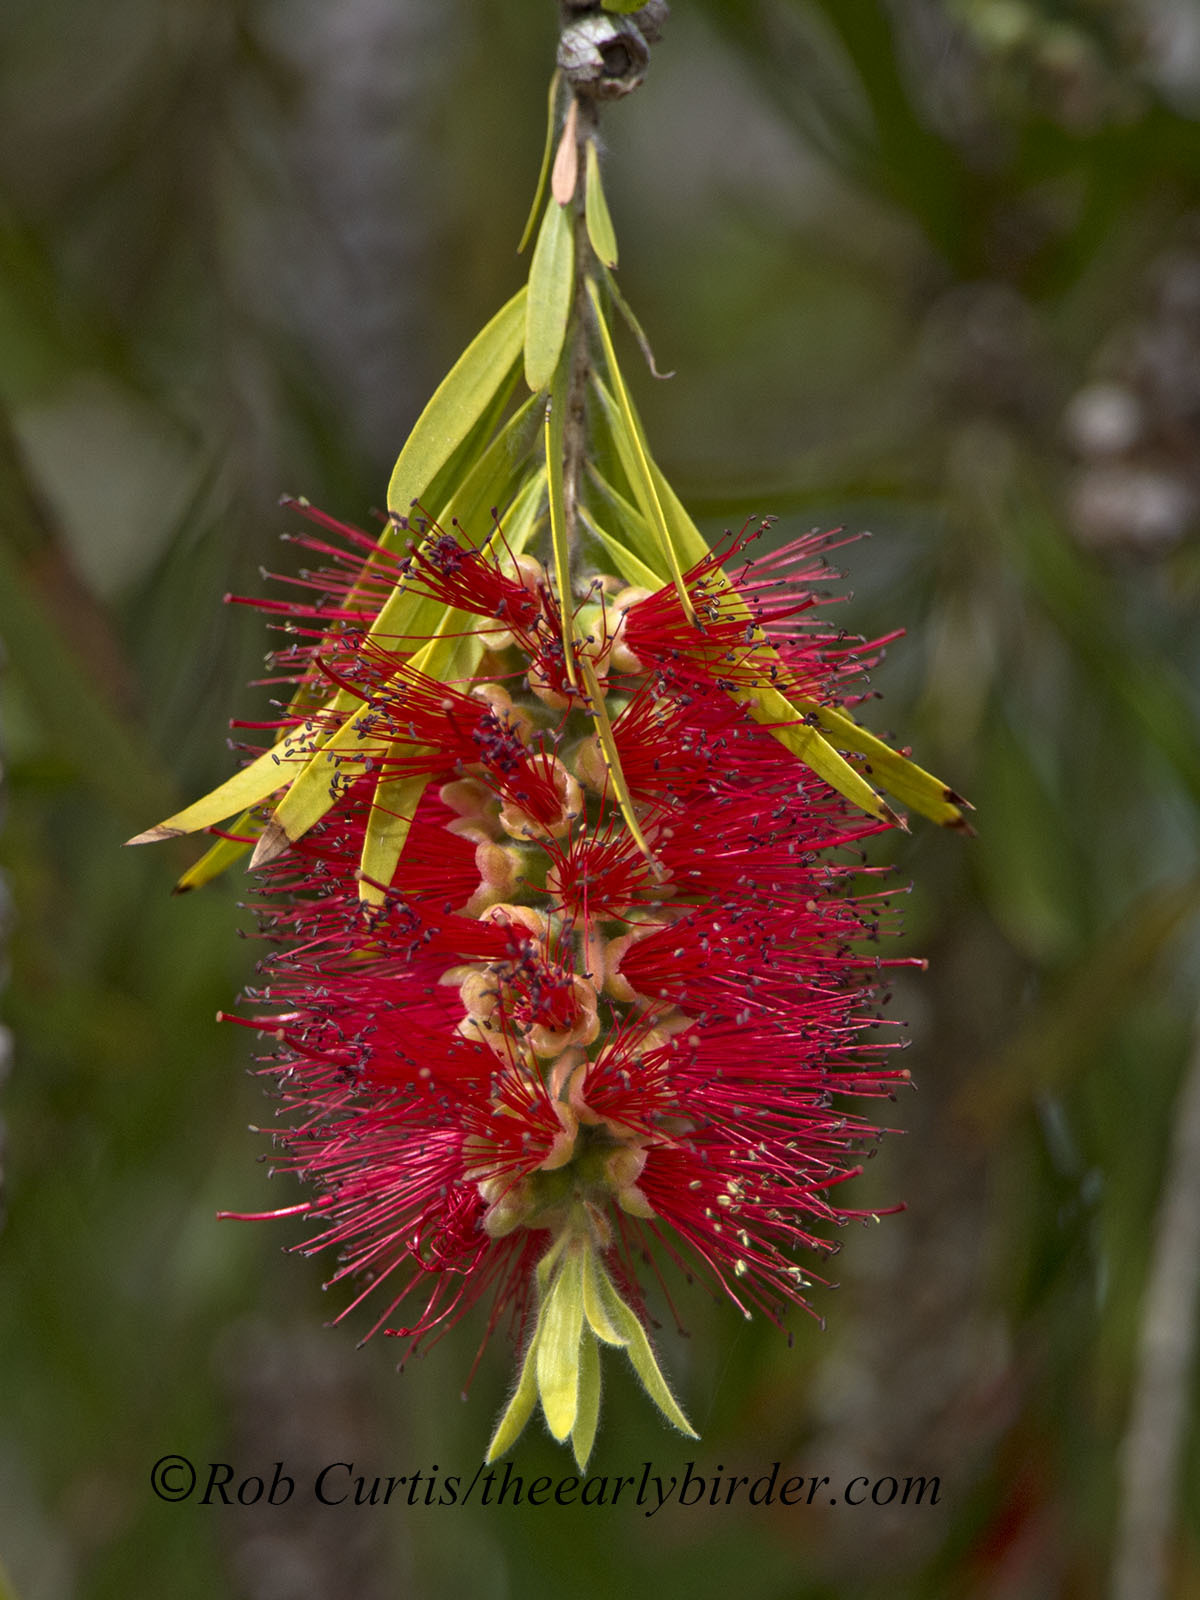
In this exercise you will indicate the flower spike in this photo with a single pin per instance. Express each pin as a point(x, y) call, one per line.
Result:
point(572, 959)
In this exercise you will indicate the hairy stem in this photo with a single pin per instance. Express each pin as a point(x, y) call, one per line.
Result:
point(575, 421)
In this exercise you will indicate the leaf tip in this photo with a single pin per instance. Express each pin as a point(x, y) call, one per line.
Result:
point(155, 835)
point(273, 842)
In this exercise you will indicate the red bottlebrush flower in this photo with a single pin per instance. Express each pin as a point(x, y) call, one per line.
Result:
point(624, 982)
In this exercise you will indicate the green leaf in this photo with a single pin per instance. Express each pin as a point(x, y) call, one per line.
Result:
point(635, 459)
point(492, 482)
point(555, 412)
point(221, 855)
point(642, 1357)
point(543, 174)
point(548, 306)
point(256, 782)
point(769, 708)
point(587, 1416)
point(458, 403)
point(560, 1330)
point(598, 712)
point(631, 567)
point(598, 1318)
point(519, 1409)
point(599, 223)
point(634, 326)
point(455, 654)
point(902, 778)
point(910, 784)
point(389, 820)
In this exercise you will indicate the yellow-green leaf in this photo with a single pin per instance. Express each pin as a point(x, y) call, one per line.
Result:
point(458, 402)
point(409, 615)
point(548, 305)
point(450, 654)
point(768, 707)
point(642, 1357)
point(519, 1409)
point(587, 1416)
point(257, 781)
point(635, 457)
point(560, 1330)
point(601, 233)
point(632, 568)
point(901, 777)
point(221, 855)
point(393, 806)
point(558, 531)
point(598, 1318)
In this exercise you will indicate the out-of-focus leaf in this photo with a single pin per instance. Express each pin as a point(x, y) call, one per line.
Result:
point(458, 402)
point(549, 301)
point(1067, 1029)
point(1033, 866)
point(72, 708)
point(599, 223)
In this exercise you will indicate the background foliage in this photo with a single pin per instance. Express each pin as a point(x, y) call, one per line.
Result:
point(928, 267)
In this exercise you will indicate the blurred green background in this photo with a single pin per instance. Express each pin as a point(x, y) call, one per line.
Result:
point(925, 267)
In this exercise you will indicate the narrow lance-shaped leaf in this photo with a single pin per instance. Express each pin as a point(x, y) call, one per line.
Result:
point(396, 799)
point(910, 784)
point(544, 172)
point(601, 232)
point(457, 404)
point(635, 457)
point(587, 1414)
point(519, 1409)
point(558, 532)
point(551, 284)
point(612, 760)
point(407, 613)
point(560, 1327)
point(254, 783)
point(598, 1318)
point(642, 1357)
point(221, 855)
point(343, 758)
